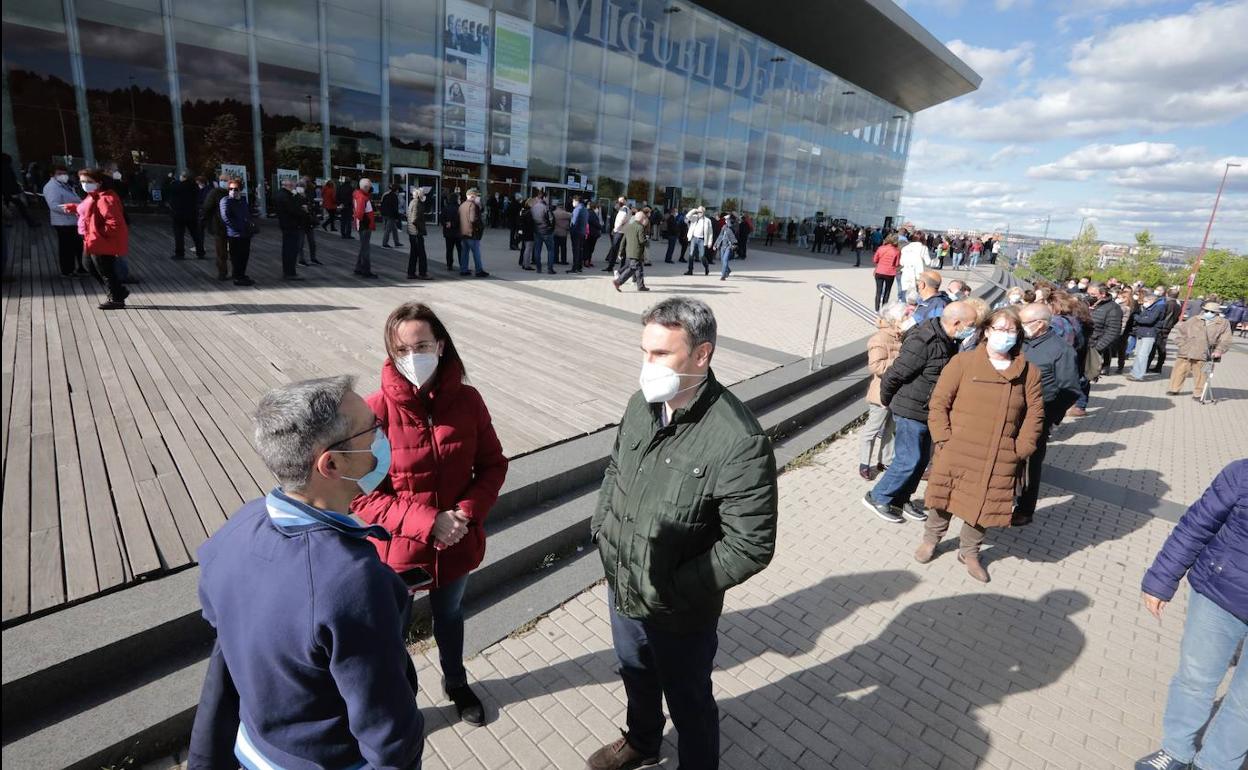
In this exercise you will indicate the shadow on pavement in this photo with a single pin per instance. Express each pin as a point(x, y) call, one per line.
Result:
point(917, 687)
point(241, 309)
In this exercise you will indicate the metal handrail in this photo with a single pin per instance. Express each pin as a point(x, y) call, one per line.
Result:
point(832, 295)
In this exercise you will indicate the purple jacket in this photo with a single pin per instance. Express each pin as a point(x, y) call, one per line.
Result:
point(1210, 544)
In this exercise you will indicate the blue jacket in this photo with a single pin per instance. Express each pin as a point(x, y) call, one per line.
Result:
point(1148, 319)
point(310, 668)
point(933, 307)
point(235, 215)
point(1210, 544)
point(580, 221)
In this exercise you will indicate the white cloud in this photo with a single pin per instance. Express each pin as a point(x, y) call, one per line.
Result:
point(1182, 70)
point(1187, 175)
point(1010, 152)
point(954, 188)
point(1083, 163)
point(994, 63)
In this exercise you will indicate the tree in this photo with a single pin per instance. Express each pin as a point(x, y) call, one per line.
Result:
point(1055, 261)
point(1085, 251)
point(1222, 273)
point(1146, 264)
point(221, 137)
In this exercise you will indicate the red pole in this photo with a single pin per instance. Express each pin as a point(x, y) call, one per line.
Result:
point(1200, 257)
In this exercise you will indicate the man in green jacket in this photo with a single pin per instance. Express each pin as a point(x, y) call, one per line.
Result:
point(633, 251)
point(687, 510)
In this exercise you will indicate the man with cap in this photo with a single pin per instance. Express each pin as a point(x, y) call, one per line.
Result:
point(1201, 338)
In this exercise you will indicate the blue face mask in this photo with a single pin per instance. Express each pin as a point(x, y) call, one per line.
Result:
point(964, 333)
point(1209, 316)
point(381, 452)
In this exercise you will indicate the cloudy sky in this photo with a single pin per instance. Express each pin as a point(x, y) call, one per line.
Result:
point(1121, 111)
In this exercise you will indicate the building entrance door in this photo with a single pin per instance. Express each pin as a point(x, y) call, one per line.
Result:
point(407, 178)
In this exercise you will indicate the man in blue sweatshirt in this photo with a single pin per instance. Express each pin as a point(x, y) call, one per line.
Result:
point(309, 669)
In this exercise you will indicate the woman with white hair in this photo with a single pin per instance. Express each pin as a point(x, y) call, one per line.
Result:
point(417, 260)
point(725, 245)
point(882, 349)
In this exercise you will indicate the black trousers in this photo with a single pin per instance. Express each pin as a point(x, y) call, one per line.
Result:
point(290, 250)
point(109, 273)
point(883, 287)
point(614, 251)
point(1158, 352)
point(561, 249)
point(240, 254)
point(578, 247)
point(451, 243)
point(587, 251)
point(68, 248)
point(1035, 465)
point(417, 260)
point(345, 213)
point(180, 228)
point(309, 233)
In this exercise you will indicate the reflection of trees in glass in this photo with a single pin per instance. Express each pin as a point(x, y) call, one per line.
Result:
point(116, 140)
point(609, 187)
point(639, 190)
point(218, 145)
point(730, 204)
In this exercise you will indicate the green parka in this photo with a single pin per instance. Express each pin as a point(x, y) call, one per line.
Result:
point(686, 511)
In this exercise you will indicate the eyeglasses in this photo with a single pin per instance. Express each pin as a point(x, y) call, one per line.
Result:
point(1009, 328)
point(376, 426)
point(419, 347)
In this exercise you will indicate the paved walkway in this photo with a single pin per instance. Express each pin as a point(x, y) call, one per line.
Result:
point(847, 654)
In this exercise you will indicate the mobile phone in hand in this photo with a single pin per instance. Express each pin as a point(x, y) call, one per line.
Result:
point(416, 578)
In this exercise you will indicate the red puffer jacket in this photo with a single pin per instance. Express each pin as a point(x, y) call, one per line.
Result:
point(444, 455)
point(102, 224)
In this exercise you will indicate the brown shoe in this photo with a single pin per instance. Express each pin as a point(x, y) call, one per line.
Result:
point(1076, 411)
point(619, 756)
point(974, 568)
point(925, 552)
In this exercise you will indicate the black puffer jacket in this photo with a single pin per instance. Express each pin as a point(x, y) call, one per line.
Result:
point(1106, 325)
point(908, 383)
point(1059, 373)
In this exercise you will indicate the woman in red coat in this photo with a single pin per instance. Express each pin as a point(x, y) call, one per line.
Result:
point(446, 469)
point(886, 259)
point(105, 235)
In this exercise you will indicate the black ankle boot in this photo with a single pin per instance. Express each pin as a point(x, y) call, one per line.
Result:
point(467, 704)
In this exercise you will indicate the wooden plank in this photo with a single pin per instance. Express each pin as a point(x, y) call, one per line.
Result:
point(15, 527)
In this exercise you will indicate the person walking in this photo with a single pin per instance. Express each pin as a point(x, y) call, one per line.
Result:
point(184, 209)
point(688, 509)
point(1106, 325)
point(623, 215)
point(290, 222)
point(329, 205)
point(210, 215)
point(471, 228)
point(105, 234)
point(447, 467)
point(578, 229)
point(307, 209)
point(700, 231)
point(1202, 338)
point(887, 258)
point(725, 245)
point(365, 220)
point(563, 222)
point(634, 252)
point(346, 206)
point(1208, 546)
point(1061, 387)
point(448, 219)
point(1148, 319)
point(391, 217)
point(237, 220)
point(309, 668)
point(986, 417)
point(1173, 312)
point(959, 250)
point(58, 191)
point(417, 259)
point(883, 347)
point(905, 389)
point(914, 259)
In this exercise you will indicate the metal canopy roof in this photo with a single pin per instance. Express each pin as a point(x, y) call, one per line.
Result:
point(873, 44)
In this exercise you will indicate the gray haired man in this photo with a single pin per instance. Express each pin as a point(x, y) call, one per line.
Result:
point(309, 669)
point(687, 510)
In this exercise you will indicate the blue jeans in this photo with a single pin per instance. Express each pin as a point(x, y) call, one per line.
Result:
point(957, 259)
point(1210, 637)
point(912, 448)
point(974, 258)
point(470, 245)
point(1130, 345)
point(447, 604)
point(1143, 346)
point(672, 243)
point(725, 254)
point(547, 240)
point(655, 664)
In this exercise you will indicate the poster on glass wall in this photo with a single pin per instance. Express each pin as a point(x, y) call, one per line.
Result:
point(467, 42)
point(509, 99)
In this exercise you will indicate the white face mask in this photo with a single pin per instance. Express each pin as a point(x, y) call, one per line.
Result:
point(1016, 299)
point(235, 193)
point(90, 186)
point(298, 191)
point(117, 175)
point(660, 384)
point(417, 368)
point(62, 178)
point(907, 324)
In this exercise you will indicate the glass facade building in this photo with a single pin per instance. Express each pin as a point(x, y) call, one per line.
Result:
point(649, 99)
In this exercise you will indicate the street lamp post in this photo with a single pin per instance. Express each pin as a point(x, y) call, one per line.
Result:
point(1200, 257)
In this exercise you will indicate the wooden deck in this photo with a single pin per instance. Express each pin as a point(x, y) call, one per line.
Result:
point(126, 434)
